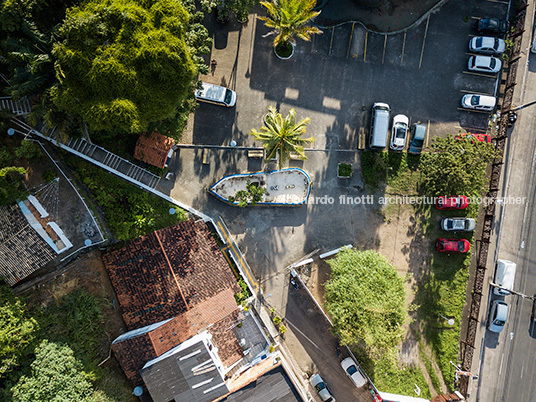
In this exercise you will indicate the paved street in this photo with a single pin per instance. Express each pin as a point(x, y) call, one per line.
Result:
point(508, 368)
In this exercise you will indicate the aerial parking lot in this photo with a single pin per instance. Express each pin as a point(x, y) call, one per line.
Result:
point(421, 72)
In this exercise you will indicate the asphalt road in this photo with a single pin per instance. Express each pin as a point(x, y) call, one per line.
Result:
point(508, 365)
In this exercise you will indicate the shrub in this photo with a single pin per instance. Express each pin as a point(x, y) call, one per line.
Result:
point(29, 150)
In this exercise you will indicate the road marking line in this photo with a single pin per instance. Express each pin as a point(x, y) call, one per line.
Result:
point(424, 40)
point(427, 133)
point(403, 48)
point(331, 41)
point(480, 74)
point(472, 110)
point(384, 46)
point(254, 283)
point(500, 368)
point(350, 43)
point(497, 1)
point(365, 54)
point(473, 92)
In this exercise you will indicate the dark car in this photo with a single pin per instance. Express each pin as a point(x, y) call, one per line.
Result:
point(453, 245)
point(417, 138)
point(492, 25)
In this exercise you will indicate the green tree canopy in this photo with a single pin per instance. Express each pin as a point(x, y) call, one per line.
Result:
point(455, 166)
point(282, 135)
point(56, 375)
point(289, 19)
point(11, 187)
point(122, 64)
point(365, 297)
point(17, 331)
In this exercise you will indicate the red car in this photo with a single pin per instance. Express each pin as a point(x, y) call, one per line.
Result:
point(453, 202)
point(453, 245)
point(475, 137)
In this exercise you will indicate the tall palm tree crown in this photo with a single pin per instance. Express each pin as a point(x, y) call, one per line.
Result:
point(289, 18)
point(283, 135)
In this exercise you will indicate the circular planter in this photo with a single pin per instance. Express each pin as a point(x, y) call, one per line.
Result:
point(284, 51)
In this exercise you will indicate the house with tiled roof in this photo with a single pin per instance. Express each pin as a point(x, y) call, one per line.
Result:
point(155, 149)
point(173, 285)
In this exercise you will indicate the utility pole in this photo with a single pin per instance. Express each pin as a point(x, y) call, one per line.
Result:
point(513, 291)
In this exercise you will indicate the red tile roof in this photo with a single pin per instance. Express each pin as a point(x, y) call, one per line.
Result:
point(153, 148)
point(167, 273)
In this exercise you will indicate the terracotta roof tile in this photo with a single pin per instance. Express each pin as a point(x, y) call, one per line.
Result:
point(153, 148)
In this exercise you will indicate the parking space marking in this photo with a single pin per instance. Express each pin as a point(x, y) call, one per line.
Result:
point(365, 53)
point(350, 41)
point(473, 92)
point(480, 74)
point(403, 48)
point(472, 110)
point(427, 134)
point(331, 41)
point(384, 46)
point(424, 40)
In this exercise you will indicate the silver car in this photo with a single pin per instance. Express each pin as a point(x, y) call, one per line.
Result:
point(458, 224)
point(399, 132)
point(487, 45)
point(321, 388)
point(498, 316)
point(484, 64)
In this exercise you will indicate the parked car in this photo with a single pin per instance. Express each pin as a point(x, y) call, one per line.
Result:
point(452, 245)
point(492, 25)
point(417, 138)
point(487, 45)
point(321, 388)
point(458, 224)
point(478, 102)
point(533, 315)
point(475, 137)
point(454, 202)
point(484, 64)
point(498, 316)
point(352, 371)
point(399, 132)
point(216, 94)
point(505, 274)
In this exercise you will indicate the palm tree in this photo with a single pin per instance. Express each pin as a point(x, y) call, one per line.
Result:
point(289, 19)
point(282, 136)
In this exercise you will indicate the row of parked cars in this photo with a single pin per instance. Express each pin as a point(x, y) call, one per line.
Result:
point(488, 51)
point(351, 370)
point(379, 131)
point(458, 224)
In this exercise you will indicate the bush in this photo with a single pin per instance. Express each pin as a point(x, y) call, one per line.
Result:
point(29, 150)
point(6, 158)
point(49, 175)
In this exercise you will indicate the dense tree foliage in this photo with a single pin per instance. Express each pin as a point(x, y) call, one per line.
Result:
point(455, 166)
point(56, 375)
point(365, 297)
point(124, 64)
point(17, 331)
point(11, 187)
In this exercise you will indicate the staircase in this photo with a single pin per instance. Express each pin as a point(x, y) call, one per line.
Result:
point(98, 156)
point(19, 108)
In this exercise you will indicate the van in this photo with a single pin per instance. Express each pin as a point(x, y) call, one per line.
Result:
point(216, 94)
point(379, 126)
point(505, 274)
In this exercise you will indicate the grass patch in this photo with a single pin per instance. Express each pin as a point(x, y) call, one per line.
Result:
point(344, 170)
point(389, 375)
point(429, 368)
point(130, 212)
point(396, 170)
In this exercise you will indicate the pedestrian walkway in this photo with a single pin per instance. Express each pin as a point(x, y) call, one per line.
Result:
point(19, 108)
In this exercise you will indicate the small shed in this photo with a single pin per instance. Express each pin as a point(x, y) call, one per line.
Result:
point(154, 149)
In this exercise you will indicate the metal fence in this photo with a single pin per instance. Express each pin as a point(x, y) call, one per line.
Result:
point(508, 84)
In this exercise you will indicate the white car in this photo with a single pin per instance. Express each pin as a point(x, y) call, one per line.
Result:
point(458, 224)
point(216, 94)
point(498, 316)
point(321, 388)
point(479, 102)
point(399, 132)
point(487, 45)
point(351, 370)
point(484, 64)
